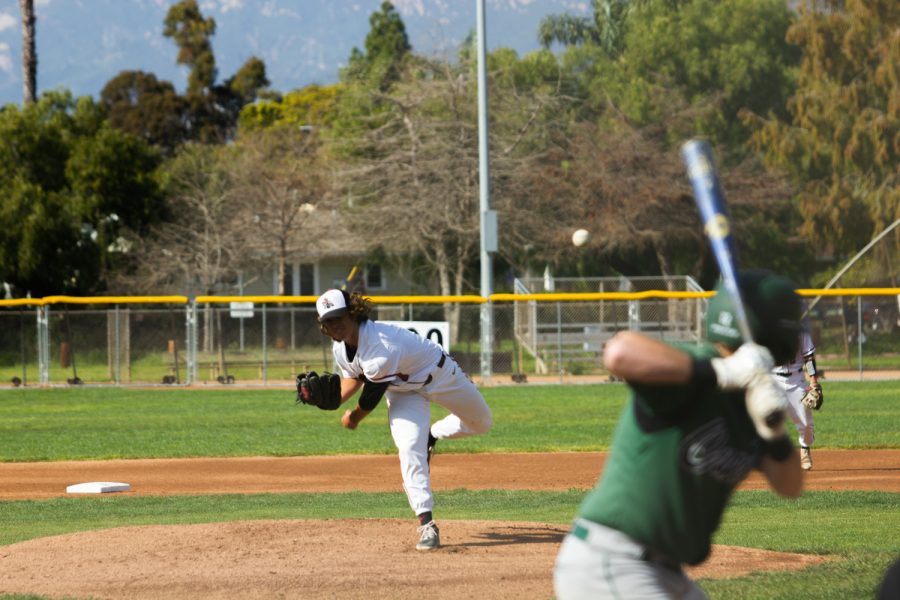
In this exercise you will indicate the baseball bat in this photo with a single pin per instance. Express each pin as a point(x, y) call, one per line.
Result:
point(710, 201)
point(698, 159)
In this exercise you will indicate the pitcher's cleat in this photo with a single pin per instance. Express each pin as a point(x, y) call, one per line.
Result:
point(429, 537)
point(805, 458)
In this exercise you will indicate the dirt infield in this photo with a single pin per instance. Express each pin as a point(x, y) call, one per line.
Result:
point(834, 470)
point(365, 558)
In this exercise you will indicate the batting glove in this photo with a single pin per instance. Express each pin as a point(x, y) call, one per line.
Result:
point(739, 370)
point(767, 405)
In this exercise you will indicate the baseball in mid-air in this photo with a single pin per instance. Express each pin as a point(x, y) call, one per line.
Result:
point(580, 237)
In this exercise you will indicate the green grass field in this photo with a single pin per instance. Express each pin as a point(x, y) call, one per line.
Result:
point(857, 529)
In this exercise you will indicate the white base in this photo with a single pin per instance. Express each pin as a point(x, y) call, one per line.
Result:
point(97, 487)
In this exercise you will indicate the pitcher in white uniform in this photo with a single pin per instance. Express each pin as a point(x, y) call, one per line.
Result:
point(792, 377)
point(411, 371)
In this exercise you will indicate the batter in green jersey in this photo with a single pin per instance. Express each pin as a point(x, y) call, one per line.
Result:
point(698, 420)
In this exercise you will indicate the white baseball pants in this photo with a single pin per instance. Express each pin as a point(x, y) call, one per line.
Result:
point(794, 385)
point(409, 415)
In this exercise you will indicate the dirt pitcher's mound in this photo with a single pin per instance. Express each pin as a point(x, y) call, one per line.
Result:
point(373, 559)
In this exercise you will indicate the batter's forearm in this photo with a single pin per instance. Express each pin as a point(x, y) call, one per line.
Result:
point(638, 358)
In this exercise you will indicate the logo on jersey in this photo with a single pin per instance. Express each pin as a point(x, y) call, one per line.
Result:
point(695, 454)
point(706, 451)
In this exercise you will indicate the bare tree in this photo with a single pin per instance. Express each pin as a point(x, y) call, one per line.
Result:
point(286, 205)
point(416, 195)
point(29, 56)
point(285, 198)
point(199, 249)
point(628, 187)
point(414, 192)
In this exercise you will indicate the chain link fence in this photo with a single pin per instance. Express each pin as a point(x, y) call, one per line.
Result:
point(268, 340)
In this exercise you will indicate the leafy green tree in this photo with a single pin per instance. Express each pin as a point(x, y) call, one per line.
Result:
point(77, 192)
point(733, 52)
point(248, 81)
point(690, 67)
point(113, 173)
point(138, 103)
point(840, 142)
point(185, 25)
point(43, 250)
point(33, 145)
point(311, 107)
point(213, 109)
point(606, 29)
point(386, 47)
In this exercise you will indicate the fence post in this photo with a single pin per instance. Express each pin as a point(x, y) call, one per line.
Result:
point(859, 334)
point(293, 327)
point(43, 343)
point(265, 354)
point(117, 344)
point(190, 342)
point(559, 360)
point(487, 341)
point(699, 307)
point(634, 315)
point(24, 356)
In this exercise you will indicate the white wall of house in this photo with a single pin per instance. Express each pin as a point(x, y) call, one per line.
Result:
point(313, 278)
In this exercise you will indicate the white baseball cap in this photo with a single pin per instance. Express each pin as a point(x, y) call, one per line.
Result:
point(331, 304)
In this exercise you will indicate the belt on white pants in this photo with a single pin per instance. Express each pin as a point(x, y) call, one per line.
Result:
point(788, 373)
point(616, 542)
point(440, 365)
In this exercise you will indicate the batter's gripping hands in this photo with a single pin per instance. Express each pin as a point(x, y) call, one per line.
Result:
point(322, 390)
point(767, 405)
point(813, 397)
point(739, 369)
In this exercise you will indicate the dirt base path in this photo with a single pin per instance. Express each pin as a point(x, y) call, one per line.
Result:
point(834, 470)
point(364, 558)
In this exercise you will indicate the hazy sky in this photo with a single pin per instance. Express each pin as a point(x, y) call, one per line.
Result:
point(82, 44)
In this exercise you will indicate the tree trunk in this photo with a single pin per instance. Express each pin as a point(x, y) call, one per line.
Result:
point(29, 57)
point(451, 309)
point(665, 269)
point(456, 312)
point(208, 334)
point(280, 327)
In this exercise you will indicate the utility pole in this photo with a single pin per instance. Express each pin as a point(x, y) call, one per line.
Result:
point(488, 216)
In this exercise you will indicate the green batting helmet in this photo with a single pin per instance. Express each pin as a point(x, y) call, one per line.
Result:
point(773, 309)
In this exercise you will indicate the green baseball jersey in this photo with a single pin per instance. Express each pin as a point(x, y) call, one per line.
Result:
point(677, 454)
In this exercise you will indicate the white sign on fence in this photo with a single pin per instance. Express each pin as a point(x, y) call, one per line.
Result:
point(436, 331)
point(241, 310)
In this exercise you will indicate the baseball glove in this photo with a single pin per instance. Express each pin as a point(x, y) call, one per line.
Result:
point(322, 390)
point(813, 397)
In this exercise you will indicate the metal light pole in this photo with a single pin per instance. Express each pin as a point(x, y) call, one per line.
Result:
point(488, 216)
